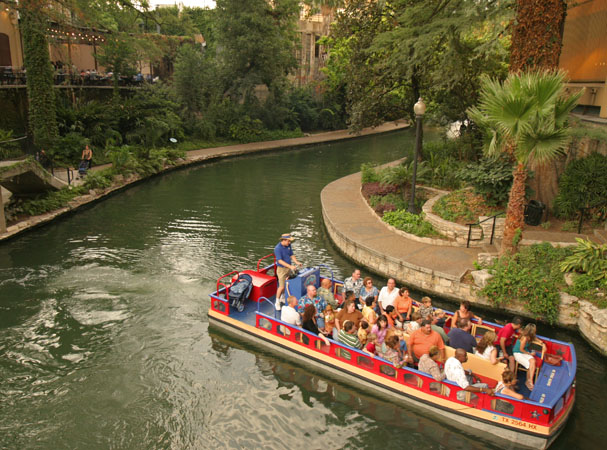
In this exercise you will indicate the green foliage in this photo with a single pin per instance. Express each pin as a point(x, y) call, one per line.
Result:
point(569, 226)
point(588, 257)
point(491, 177)
point(442, 159)
point(369, 173)
point(587, 288)
point(46, 202)
point(531, 277)
point(98, 179)
point(8, 149)
point(583, 184)
point(395, 200)
point(410, 223)
point(463, 207)
point(402, 174)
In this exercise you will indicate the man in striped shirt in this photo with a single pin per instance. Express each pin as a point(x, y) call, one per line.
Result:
point(347, 335)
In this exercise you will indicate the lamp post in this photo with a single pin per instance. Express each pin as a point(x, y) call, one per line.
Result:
point(419, 109)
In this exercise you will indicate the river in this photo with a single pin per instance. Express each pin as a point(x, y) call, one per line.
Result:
point(104, 339)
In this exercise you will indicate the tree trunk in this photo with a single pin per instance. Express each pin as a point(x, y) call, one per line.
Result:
point(515, 211)
point(537, 38)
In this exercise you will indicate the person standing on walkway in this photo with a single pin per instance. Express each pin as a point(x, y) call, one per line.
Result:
point(285, 262)
point(87, 155)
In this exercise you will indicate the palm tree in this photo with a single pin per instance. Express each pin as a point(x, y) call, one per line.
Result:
point(526, 118)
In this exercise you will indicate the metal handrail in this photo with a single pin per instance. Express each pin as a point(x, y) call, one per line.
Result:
point(470, 225)
point(583, 210)
point(266, 299)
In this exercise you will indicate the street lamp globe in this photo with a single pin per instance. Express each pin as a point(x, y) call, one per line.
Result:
point(419, 108)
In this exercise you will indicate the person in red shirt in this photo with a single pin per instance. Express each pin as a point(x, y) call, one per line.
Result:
point(505, 340)
point(421, 340)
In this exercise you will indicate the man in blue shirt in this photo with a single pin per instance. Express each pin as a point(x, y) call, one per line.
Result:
point(460, 337)
point(284, 264)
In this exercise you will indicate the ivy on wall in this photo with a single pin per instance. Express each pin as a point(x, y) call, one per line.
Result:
point(41, 97)
point(538, 34)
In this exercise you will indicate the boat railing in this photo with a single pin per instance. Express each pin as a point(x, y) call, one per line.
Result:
point(511, 409)
point(220, 283)
point(264, 257)
point(265, 299)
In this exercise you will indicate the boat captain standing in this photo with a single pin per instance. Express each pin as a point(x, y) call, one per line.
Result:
point(285, 262)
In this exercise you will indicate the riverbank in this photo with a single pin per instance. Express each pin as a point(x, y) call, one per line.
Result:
point(442, 270)
point(193, 157)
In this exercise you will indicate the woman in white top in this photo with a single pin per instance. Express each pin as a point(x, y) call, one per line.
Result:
point(485, 348)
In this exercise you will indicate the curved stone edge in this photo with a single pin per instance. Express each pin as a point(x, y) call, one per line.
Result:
point(573, 312)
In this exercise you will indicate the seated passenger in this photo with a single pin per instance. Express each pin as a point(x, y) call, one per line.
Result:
point(363, 331)
point(309, 322)
point(312, 299)
point(391, 315)
point(415, 324)
point(485, 348)
point(460, 337)
point(428, 364)
point(425, 308)
point(404, 305)
point(439, 329)
point(329, 320)
point(324, 292)
point(348, 312)
point(347, 335)
point(523, 354)
point(464, 313)
point(441, 317)
point(507, 385)
point(368, 290)
point(421, 340)
point(369, 313)
point(380, 329)
point(390, 350)
point(454, 371)
point(289, 314)
point(370, 347)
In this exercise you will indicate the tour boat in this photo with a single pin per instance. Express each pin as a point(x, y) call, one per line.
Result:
point(534, 422)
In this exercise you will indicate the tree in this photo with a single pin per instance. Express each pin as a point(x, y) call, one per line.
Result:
point(255, 43)
point(525, 117)
point(41, 96)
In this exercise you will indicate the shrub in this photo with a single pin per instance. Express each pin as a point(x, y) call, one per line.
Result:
point(584, 286)
point(49, 201)
point(491, 177)
point(582, 184)
point(99, 179)
point(410, 223)
point(532, 277)
point(368, 173)
point(462, 206)
point(376, 189)
point(8, 147)
point(588, 257)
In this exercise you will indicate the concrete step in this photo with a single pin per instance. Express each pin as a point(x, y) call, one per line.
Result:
point(490, 248)
point(601, 236)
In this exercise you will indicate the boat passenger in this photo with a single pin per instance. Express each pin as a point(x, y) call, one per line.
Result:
point(329, 320)
point(324, 291)
point(309, 322)
point(390, 350)
point(460, 336)
point(454, 371)
point(368, 290)
point(441, 317)
point(380, 329)
point(289, 314)
point(403, 304)
point(464, 313)
point(426, 307)
point(505, 340)
point(285, 262)
point(428, 364)
point(387, 295)
point(354, 284)
point(363, 331)
point(421, 340)
point(312, 299)
point(485, 348)
point(523, 354)
point(370, 348)
point(440, 330)
point(369, 313)
point(347, 335)
point(507, 385)
point(391, 315)
point(415, 324)
point(348, 312)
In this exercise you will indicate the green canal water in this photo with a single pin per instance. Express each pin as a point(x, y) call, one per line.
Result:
point(104, 337)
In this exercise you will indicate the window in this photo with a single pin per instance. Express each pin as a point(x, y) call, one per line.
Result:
point(412, 379)
point(440, 389)
point(345, 354)
point(316, 47)
point(265, 323)
point(364, 362)
point(502, 406)
point(467, 397)
point(320, 345)
point(305, 339)
point(284, 331)
point(5, 51)
point(387, 370)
